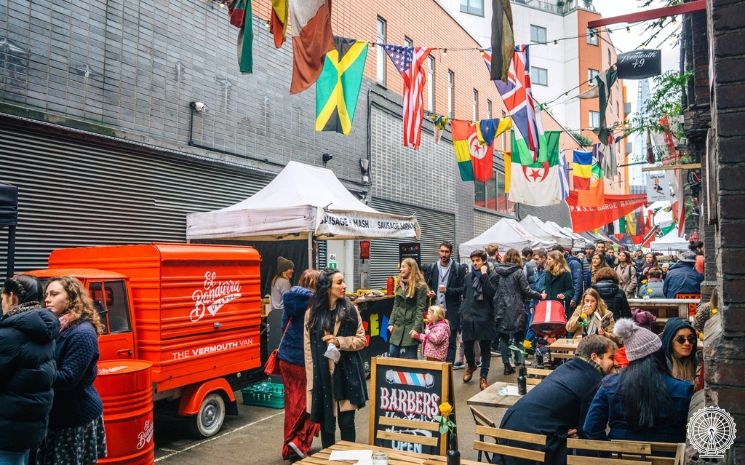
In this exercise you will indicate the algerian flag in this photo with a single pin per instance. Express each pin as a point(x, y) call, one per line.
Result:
point(538, 183)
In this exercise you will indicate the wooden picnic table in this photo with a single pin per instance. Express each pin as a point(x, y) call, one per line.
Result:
point(499, 394)
point(564, 348)
point(395, 457)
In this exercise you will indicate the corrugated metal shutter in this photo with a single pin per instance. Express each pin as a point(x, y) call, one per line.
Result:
point(436, 227)
point(77, 192)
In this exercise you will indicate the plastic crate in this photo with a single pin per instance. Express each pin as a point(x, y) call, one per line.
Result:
point(264, 394)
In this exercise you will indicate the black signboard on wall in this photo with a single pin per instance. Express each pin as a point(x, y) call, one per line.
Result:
point(410, 250)
point(639, 64)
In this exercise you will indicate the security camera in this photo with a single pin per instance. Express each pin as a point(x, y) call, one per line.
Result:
point(199, 107)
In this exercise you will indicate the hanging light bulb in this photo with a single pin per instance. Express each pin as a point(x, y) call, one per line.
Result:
point(675, 20)
point(628, 29)
point(556, 43)
point(444, 51)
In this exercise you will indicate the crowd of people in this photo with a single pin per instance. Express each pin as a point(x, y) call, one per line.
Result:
point(52, 413)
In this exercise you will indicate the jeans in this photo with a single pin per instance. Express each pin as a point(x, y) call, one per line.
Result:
point(529, 333)
point(468, 346)
point(9, 457)
point(402, 351)
point(346, 430)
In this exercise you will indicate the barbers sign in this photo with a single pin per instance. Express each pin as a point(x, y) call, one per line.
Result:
point(639, 64)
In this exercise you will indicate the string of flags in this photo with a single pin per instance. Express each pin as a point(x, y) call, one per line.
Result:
point(536, 173)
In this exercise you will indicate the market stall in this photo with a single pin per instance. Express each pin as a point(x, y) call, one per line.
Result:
point(506, 232)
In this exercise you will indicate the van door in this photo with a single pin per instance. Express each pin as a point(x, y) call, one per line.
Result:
point(111, 300)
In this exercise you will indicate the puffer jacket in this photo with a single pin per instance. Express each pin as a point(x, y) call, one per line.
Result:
point(27, 369)
point(614, 298)
point(510, 296)
point(295, 304)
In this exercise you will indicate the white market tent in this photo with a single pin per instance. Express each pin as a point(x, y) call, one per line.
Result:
point(670, 242)
point(578, 241)
point(544, 232)
point(507, 232)
point(303, 201)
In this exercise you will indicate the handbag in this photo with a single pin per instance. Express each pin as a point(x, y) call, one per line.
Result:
point(271, 367)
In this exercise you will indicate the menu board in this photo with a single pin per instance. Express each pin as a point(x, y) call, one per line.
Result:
point(410, 250)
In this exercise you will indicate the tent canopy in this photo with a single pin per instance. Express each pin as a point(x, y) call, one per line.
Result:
point(539, 229)
point(302, 200)
point(508, 233)
point(670, 242)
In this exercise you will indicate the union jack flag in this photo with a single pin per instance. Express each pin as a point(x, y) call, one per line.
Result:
point(409, 61)
point(518, 98)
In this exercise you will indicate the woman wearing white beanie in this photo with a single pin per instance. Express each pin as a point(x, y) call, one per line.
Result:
point(643, 401)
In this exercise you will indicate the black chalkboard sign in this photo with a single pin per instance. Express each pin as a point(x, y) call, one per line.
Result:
point(410, 250)
point(406, 397)
point(639, 64)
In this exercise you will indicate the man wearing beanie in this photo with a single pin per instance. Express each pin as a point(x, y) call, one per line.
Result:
point(281, 282)
point(643, 401)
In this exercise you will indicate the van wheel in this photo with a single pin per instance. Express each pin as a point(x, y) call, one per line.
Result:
point(210, 417)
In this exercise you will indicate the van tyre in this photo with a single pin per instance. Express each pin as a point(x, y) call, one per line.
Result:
point(210, 417)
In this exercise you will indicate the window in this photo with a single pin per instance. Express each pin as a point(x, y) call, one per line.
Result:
point(380, 64)
point(591, 73)
point(451, 94)
point(592, 36)
point(537, 34)
point(430, 83)
point(475, 105)
point(594, 119)
point(472, 7)
point(110, 301)
point(488, 108)
point(492, 196)
point(538, 76)
point(408, 42)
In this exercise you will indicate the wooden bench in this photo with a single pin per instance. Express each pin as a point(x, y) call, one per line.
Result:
point(409, 425)
point(536, 375)
point(506, 443)
point(624, 452)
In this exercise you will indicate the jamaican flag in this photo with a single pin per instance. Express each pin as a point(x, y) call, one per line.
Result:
point(338, 86)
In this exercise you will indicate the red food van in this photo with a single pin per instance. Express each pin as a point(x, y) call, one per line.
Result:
point(192, 310)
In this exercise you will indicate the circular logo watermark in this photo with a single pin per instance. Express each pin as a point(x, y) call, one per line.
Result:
point(711, 431)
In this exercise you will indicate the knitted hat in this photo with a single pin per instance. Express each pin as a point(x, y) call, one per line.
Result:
point(639, 342)
point(284, 264)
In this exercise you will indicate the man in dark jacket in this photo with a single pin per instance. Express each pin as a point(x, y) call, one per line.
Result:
point(477, 315)
point(445, 281)
point(681, 278)
point(557, 406)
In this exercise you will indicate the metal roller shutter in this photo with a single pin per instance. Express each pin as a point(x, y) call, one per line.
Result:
point(436, 227)
point(79, 192)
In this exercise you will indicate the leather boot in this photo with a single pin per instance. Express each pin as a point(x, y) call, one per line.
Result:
point(483, 384)
point(508, 370)
point(468, 373)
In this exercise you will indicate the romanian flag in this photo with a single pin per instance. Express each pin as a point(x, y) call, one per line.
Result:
point(581, 169)
point(338, 86)
point(463, 131)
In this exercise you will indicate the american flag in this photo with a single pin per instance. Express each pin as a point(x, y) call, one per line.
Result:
point(518, 98)
point(409, 61)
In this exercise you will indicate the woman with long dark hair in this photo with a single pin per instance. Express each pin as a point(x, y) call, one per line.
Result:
point(643, 401)
point(299, 429)
point(679, 342)
point(27, 334)
point(334, 335)
point(76, 434)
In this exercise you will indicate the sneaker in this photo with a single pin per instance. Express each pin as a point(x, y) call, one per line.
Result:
point(496, 353)
point(296, 449)
point(458, 365)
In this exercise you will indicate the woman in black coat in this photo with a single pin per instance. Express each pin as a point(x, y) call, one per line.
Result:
point(509, 304)
point(27, 334)
point(606, 282)
point(557, 284)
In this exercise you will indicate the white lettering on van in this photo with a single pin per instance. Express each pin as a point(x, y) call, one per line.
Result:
point(214, 296)
point(212, 349)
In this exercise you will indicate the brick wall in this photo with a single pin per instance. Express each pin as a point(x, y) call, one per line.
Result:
point(725, 362)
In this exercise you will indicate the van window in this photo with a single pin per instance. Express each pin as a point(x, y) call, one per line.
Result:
point(110, 299)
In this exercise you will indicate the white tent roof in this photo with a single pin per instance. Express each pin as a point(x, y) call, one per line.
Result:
point(670, 242)
point(543, 232)
point(301, 200)
point(507, 232)
point(579, 241)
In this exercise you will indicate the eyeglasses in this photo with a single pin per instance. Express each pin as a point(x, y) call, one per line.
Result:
point(682, 339)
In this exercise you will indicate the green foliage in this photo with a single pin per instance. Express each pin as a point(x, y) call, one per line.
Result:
point(664, 101)
point(581, 140)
